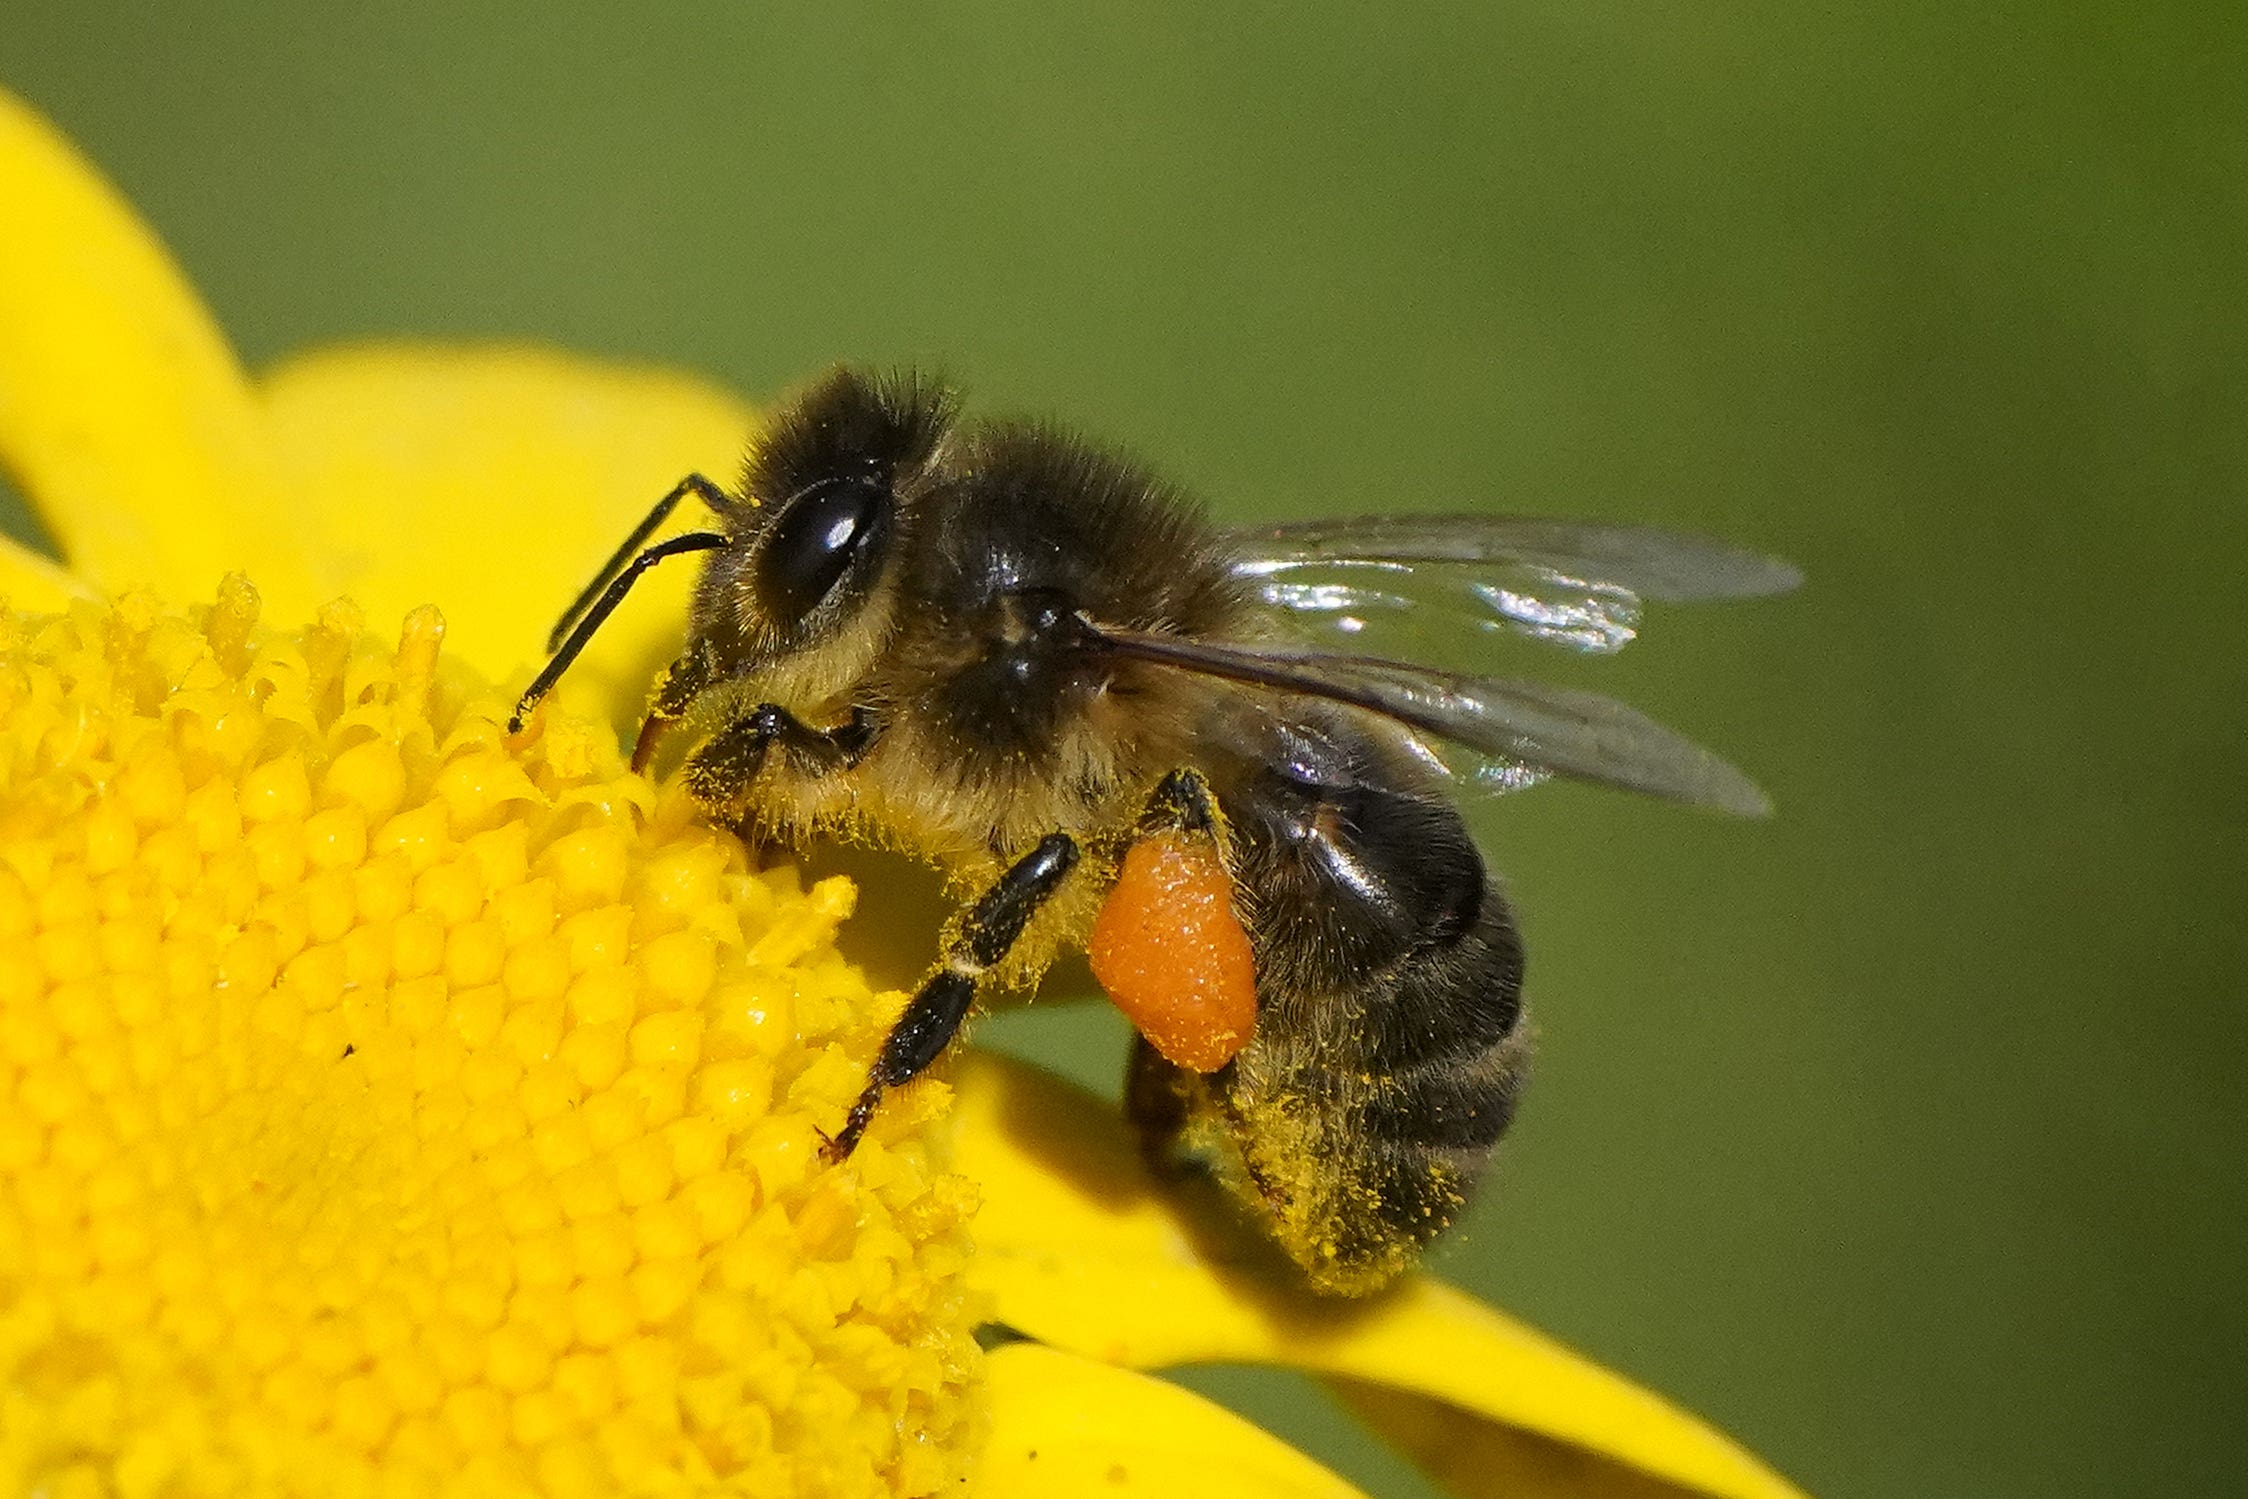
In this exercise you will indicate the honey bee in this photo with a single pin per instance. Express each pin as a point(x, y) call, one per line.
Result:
point(1028, 660)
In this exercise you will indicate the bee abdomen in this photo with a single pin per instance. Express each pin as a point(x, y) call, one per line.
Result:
point(1464, 1109)
point(1390, 1045)
point(1450, 1052)
point(1366, 1119)
point(1425, 1130)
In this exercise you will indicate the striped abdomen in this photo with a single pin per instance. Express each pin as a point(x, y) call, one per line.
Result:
point(1390, 1044)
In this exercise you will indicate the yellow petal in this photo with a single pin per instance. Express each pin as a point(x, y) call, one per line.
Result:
point(124, 417)
point(1063, 1427)
point(1483, 1460)
point(33, 583)
point(1079, 1248)
point(496, 479)
point(499, 479)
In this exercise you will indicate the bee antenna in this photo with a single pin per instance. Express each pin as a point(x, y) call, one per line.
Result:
point(702, 489)
point(606, 605)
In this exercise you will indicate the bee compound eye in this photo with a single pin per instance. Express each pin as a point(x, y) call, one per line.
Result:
point(814, 543)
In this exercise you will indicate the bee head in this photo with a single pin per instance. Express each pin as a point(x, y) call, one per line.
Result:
point(816, 525)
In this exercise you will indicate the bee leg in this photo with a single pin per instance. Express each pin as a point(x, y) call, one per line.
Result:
point(932, 1017)
point(1160, 1096)
point(722, 769)
point(694, 484)
point(1159, 1100)
point(681, 683)
point(1181, 801)
point(676, 690)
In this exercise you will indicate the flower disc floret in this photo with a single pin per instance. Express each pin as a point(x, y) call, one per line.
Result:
point(388, 1107)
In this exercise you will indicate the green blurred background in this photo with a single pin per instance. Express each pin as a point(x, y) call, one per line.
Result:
point(1901, 1135)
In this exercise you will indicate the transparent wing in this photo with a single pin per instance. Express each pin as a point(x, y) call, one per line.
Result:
point(1432, 586)
point(1522, 730)
point(1668, 566)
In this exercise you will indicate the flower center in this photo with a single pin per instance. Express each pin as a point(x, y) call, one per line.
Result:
point(390, 1106)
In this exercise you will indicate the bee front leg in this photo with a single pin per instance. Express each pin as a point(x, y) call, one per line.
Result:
point(932, 1017)
point(676, 690)
point(719, 772)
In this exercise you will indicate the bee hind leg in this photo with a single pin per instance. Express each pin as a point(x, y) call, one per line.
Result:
point(982, 941)
point(1162, 1100)
point(1181, 802)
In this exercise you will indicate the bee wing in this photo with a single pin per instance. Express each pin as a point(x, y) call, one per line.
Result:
point(1413, 583)
point(1521, 730)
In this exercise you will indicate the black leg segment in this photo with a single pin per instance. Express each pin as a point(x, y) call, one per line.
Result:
point(932, 1017)
point(719, 771)
point(1158, 1097)
point(999, 917)
point(682, 682)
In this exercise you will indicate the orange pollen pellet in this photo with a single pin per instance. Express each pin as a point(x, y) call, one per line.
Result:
point(1172, 955)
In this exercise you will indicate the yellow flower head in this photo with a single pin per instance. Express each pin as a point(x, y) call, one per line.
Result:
point(388, 1111)
point(391, 1106)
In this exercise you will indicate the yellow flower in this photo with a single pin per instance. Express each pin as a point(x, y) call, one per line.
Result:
point(393, 1108)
